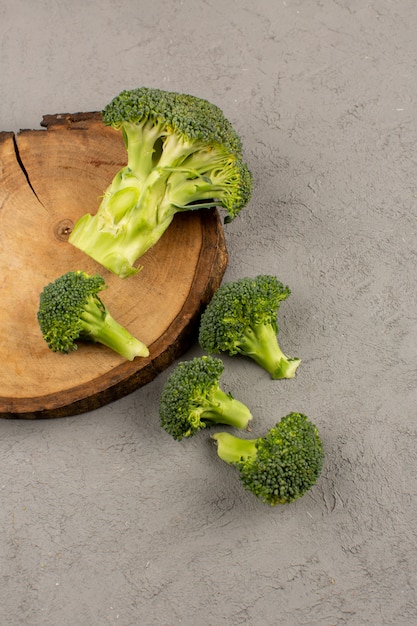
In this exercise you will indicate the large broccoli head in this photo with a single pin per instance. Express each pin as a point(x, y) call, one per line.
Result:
point(182, 154)
point(280, 467)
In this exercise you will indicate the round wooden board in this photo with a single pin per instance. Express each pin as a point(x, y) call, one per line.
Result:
point(48, 179)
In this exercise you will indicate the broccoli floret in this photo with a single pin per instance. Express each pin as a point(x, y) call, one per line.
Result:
point(241, 318)
point(182, 154)
point(70, 310)
point(192, 398)
point(280, 467)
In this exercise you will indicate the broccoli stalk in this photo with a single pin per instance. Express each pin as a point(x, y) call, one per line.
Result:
point(260, 343)
point(99, 326)
point(280, 467)
point(192, 399)
point(241, 318)
point(220, 407)
point(70, 310)
point(182, 155)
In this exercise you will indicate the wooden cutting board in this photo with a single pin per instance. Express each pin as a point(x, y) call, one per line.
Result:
point(48, 179)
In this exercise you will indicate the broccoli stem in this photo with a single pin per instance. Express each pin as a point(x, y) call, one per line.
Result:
point(98, 325)
point(141, 223)
point(222, 408)
point(261, 344)
point(140, 140)
point(234, 449)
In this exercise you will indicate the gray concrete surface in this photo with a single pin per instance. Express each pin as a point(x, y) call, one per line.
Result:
point(105, 520)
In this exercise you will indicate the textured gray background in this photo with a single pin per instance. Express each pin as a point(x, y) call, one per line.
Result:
point(105, 520)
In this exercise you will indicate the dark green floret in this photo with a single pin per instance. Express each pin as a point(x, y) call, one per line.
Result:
point(192, 399)
point(280, 467)
point(241, 318)
point(70, 310)
point(182, 155)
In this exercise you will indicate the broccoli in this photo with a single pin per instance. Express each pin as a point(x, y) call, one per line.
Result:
point(280, 467)
point(191, 399)
point(70, 309)
point(241, 318)
point(182, 154)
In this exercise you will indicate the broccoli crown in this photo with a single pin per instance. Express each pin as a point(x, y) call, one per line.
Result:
point(187, 116)
point(70, 309)
point(62, 305)
point(237, 307)
point(191, 398)
point(283, 465)
point(182, 154)
point(288, 461)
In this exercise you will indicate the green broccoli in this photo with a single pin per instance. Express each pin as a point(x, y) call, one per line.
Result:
point(70, 309)
point(241, 318)
point(182, 154)
point(191, 399)
point(280, 467)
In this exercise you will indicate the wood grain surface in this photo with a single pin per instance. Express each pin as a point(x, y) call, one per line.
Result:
point(48, 179)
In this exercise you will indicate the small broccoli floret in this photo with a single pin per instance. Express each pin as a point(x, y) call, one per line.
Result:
point(70, 310)
point(182, 155)
point(280, 467)
point(192, 399)
point(241, 318)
